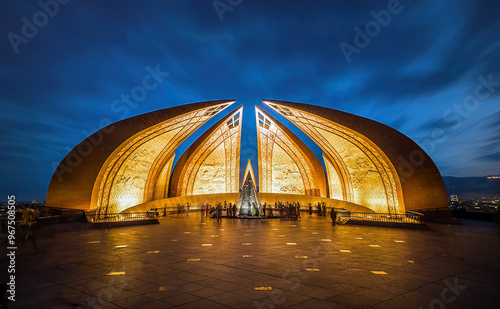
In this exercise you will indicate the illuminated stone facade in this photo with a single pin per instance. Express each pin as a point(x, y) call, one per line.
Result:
point(130, 178)
point(353, 163)
point(358, 170)
point(211, 164)
point(129, 165)
point(133, 161)
point(284, 165)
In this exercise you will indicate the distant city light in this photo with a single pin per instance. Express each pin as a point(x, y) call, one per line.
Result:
point(493, 177)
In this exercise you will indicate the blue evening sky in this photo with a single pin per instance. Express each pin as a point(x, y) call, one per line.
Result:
point(430, 69)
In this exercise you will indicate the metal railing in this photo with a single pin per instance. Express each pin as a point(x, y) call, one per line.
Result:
point(408, 217)
point(116, 217)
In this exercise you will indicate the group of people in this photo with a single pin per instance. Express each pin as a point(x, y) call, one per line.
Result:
point(182, 209)
point(287, 210)
point(216, 211)
point(291, 210)
point(321, 207)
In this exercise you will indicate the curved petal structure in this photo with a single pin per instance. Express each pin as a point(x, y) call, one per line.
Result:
point(127, 161)
point(368, 163)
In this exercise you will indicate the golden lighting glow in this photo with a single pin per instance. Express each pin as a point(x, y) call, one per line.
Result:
point(312, 269)
point(345, 251)
point(301, 257)
point(130, 176)
point(116, 273)
point(193, 260)
point(378, 272)
point(335, 184)
point(262, 288)
point(357, 170)
point(121, 246)
point(283, 168)
point(127, 201)
point(214, 165)
point(153, 252)
point(161, 185)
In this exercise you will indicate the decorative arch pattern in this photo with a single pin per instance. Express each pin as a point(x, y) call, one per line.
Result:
point(211, 164)
point(135, 166)
point(366, 176)
point(284, 166)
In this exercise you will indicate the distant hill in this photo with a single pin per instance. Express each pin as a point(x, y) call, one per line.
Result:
point(472, 187)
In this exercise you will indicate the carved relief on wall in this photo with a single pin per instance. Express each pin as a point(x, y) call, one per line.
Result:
point(364, 172)
point(286, 177)
point(214, 165)
point(282, 166)
point(124, 178)
point(211, 176)
point(335, 183)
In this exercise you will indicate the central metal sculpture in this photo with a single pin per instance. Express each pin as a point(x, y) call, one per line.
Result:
point(248, 204)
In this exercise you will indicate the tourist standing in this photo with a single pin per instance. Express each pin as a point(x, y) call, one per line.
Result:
point(333, 215)
point(219, 212)
point(29, 221)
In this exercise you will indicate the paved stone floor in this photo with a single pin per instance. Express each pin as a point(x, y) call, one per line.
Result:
point(308, 264)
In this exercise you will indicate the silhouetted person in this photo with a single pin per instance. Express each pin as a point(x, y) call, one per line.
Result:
point(29, 221)
point(218, 212)
point(333, 215)
point(264, 209)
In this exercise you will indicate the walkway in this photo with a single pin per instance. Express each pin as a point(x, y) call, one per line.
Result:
point(308, 264)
